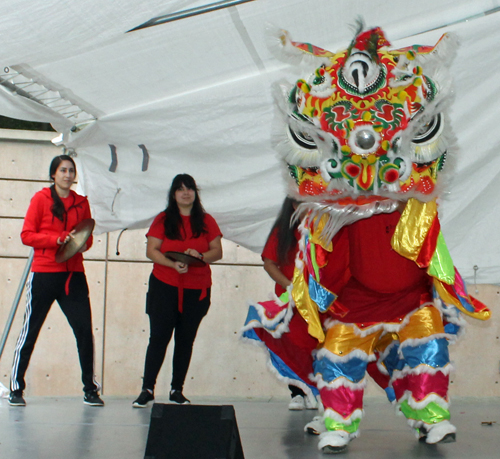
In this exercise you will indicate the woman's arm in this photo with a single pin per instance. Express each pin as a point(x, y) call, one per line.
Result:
point(275, 273)
point(154, 253)
point(30, 234)
point(214, 252)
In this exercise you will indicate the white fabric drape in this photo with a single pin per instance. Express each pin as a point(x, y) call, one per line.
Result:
point(194, 96)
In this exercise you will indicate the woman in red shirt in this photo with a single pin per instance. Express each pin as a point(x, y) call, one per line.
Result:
point(278, 256)
point(179, 295)
point(52, 214)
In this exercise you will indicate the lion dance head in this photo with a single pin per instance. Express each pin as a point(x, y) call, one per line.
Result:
point(368, 124)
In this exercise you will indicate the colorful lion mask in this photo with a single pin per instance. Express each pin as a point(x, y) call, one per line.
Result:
point(369, 123)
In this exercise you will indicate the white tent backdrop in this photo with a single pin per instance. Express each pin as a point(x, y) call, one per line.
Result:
point(194, 96)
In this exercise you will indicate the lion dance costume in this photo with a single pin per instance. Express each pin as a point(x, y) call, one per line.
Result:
point(367, 145)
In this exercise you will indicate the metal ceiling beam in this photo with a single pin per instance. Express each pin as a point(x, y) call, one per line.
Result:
point(25, 86)
point(190, 13)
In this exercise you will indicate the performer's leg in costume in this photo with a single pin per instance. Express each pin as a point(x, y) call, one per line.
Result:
point(339, 370)
point(422, 377)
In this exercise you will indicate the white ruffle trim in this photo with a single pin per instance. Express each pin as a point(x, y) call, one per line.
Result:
point(356, 353)
point(294, 382)
point(423, 403)
point(341, 381)
point(422, 369)
point(356, 414)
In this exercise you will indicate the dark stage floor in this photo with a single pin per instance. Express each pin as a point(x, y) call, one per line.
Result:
point(57, 428)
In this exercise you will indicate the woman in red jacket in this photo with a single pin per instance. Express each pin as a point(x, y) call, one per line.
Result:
point(52, 214)
point(179, 294)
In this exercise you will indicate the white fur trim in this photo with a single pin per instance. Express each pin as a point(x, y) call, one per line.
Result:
point(294, 382)
point(356, 353)
point(341, 381)
point(267, 324)
point(415, 342)
point(421, 369)
point(423, 403)
point(388, 327)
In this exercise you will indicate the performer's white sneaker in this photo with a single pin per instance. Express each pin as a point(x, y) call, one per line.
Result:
point(334, 442)
point(310, 403)
point(442, 432)
point(297, 403)
point(316, 426)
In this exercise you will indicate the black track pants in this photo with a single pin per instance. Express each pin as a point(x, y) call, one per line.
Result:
point(42, 289)
point(164, 317)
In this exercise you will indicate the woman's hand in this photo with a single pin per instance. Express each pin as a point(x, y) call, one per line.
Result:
point(275, 273)
point(181, 268)
point(65, 237)
point(194, 253)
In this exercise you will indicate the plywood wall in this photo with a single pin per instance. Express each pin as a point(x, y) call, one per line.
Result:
point(221, 364)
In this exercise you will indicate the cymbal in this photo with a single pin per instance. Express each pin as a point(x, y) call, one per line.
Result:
point(82, 232)
point(185, 258)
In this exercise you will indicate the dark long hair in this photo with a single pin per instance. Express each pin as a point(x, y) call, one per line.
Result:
point(57, 208)
point(173, 219)
point(286, 231)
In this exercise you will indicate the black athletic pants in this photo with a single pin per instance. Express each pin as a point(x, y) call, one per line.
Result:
point(42, 289)
point(164, 317)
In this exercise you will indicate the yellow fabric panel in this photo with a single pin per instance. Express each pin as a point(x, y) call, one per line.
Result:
point(306, 307)
point(413, 227)
point(449, 299)
point(316, 233)
point(384, 342)
point(341, 339)
point(423, 323)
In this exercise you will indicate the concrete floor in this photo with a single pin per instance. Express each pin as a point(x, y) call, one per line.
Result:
point(57, 428)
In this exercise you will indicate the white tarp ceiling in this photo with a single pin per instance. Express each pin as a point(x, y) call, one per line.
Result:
point(194, 96)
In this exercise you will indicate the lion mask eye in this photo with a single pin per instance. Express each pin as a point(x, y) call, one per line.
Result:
point(302, 139)
point(429, 130)
point(428, 143)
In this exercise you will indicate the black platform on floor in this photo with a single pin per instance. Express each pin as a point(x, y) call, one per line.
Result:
point(193, 432)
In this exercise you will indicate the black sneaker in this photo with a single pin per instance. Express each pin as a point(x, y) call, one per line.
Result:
point(177, 397)
point(16, 398)
point(92, 398)
point(144, 398)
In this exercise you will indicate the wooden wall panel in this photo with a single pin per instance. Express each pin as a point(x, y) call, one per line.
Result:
point(221, 365)
point(127, 328)
point(10, 239)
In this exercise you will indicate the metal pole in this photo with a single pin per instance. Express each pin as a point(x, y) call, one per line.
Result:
point(190, 13)
point(105, 301)
point(15, 304)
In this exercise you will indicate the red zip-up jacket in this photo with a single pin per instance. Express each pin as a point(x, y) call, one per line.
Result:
point(41, 229)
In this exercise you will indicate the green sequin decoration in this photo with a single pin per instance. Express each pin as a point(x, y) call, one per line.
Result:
point(431, 414)
point(331, 424)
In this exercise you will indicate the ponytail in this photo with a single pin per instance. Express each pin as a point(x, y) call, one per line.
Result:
point(57, 208)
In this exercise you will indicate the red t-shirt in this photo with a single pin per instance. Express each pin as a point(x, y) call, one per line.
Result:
point(270, 251)
point(383, 285)
point(195, 278)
